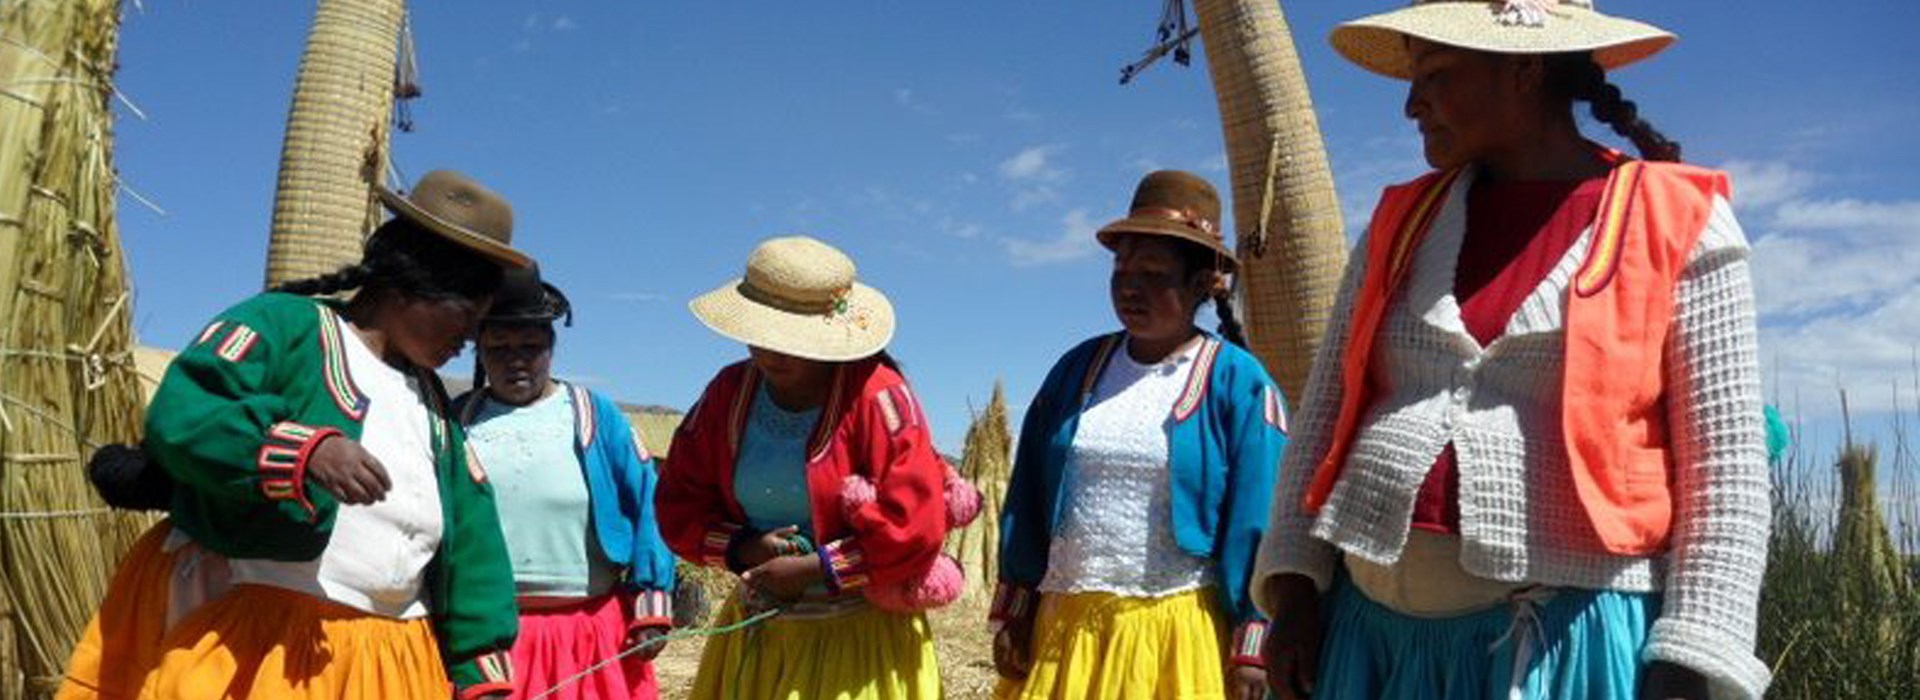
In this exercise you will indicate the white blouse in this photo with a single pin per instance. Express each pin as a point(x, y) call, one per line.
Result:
point(1116, 526)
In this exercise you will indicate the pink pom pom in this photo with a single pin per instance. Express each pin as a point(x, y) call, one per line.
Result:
point(942, 585)
point(963, 501)
point(855, 492)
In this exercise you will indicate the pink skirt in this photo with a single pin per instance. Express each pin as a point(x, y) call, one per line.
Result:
point(557, 642)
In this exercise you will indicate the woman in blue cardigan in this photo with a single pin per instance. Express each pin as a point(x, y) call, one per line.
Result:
point(1141, 482)
point(575, 490)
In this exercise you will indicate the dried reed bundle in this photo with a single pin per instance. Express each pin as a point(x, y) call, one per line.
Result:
point(987, 462)
point(1292, 246)
point(67, 382)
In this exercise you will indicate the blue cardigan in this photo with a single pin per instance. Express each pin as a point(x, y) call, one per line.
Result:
point(620, 484)
point(1224, 441)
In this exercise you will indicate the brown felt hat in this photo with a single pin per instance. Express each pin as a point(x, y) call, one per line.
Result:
point(1177, 204)
point(460, 210)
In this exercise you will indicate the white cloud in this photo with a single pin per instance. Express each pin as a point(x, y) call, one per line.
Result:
point(1866, 351)
point(1217, 163)
point(1760, 185)
point(563, 23)
point(522, 46)
point(1031, 197)
point(906, 99)
point(1851, 215)
point(1035, 172)
point(1022, 115)
point(1075, 241)
point(1033, 164)
point(532, 21)
point(958, 229)
point(1837, 286)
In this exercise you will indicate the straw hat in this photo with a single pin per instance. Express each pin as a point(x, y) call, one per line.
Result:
point(525, 298)
point(1173, 203)
point(1379, 43)
point(460, 210)
point(799, 298)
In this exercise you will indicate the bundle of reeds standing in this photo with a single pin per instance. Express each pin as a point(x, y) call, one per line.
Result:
point(987, 461)
point(67, 382)
point(336, 144)
point(1286, 215)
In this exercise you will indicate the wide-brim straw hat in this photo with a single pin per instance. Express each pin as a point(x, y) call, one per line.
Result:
point(460, 210)
point(1176, 204)
point(1379, 43)
point(799, 297)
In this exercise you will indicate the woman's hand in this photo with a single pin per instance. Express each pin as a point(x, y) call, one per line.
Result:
point(785, 578)
point(751, 553)
point(1246, 682)
point(642, 635)
point(1668, 681)
point(1013, 647)
point(1292, 648)
point(348, 471)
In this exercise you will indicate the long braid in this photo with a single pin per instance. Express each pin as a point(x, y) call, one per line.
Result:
point(1229, 321)
point(1580, 78)
point(350, 277)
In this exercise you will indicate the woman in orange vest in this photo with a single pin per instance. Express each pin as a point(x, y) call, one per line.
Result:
point(1530, 461)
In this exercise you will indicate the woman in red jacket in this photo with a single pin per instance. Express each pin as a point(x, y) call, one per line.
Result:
point(757, 484)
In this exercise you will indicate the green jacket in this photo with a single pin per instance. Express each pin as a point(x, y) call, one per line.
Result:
point(236, 417)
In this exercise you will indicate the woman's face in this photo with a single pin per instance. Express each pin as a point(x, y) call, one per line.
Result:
point(1154, 294)
point(428, 333)
point(518, 359)
point(1468, 104)
point(790, 375)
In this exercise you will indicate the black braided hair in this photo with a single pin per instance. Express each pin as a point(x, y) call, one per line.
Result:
point(405, 258)
point(1199, 258)
point(1576, 77)
point(349, 277)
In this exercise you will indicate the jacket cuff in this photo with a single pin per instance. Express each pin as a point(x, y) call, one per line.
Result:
point(1728, 662)
point(1247, 640)
point(491, 672)
point(714, 546)
point(1011, 601)
point(282, 462)
point(651, 609)
point(845, 564)
point(1306, 556)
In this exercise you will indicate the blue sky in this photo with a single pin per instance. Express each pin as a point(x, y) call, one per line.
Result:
point(963, 154)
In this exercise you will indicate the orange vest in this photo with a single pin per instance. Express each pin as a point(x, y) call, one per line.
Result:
point(1619, 310)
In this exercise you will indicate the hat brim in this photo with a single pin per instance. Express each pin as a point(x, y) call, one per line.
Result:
point(487, 247)
point(1378, 43)
point(1109, 236)
point(862, 330)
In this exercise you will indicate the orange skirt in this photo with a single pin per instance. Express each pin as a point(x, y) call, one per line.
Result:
point(122, 641)
point(265, 642)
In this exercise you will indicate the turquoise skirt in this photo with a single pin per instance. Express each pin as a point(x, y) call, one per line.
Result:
point(1567, 645)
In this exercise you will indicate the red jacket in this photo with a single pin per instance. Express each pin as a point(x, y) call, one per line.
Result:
point(871, 426)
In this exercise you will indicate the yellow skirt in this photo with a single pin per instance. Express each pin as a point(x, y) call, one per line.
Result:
point(265, 642)
point(122, 641)
point(1098, 646)
point(863, 654)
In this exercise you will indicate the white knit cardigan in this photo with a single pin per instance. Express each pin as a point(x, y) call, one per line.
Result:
point(1520, 520)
